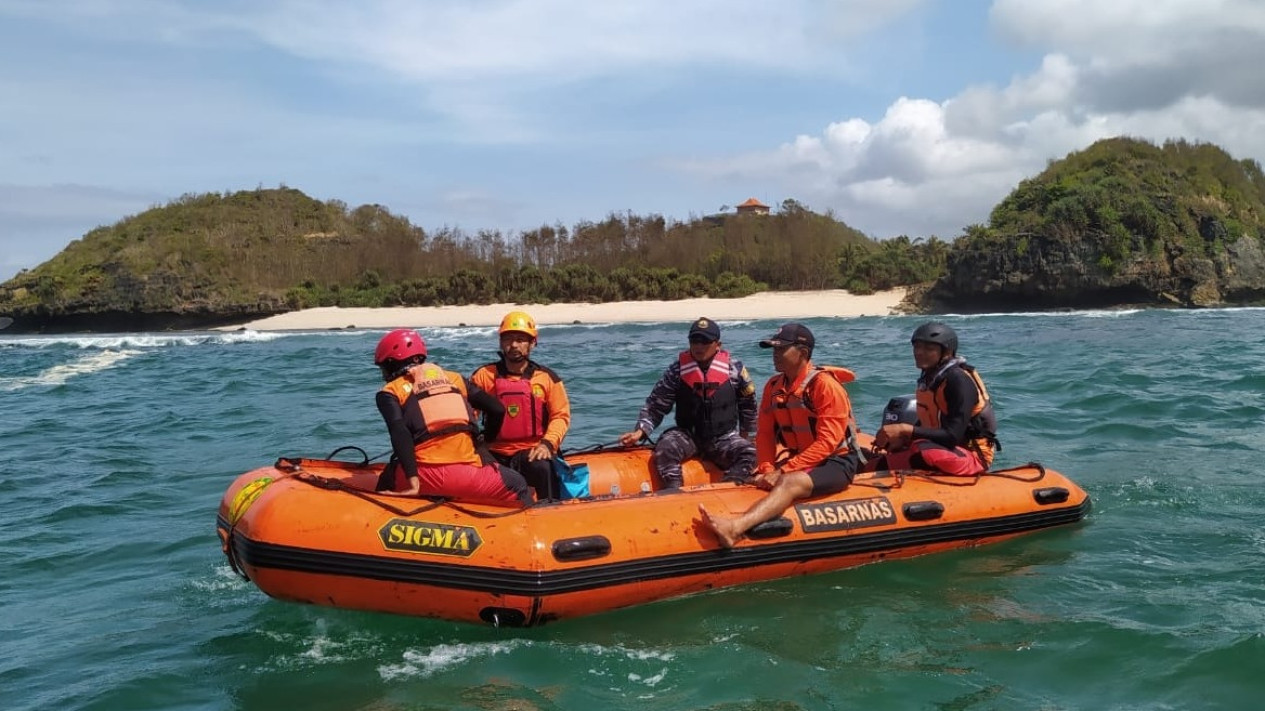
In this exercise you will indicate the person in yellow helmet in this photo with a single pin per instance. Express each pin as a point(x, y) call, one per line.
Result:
point(537, 410)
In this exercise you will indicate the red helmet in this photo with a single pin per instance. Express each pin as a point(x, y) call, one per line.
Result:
point(399, 345)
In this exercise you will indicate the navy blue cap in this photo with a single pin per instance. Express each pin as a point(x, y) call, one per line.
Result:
point(706, 329)
point(791, 334)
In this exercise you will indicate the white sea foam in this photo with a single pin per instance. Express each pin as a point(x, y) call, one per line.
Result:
point(60, 373)
point(457, 333)
point(424, 663)
point(648, 680)
point(1084, 313)
point(143, 340)
point(323, 650)
point(320, 646)
point(598, 650)
point(223, 578)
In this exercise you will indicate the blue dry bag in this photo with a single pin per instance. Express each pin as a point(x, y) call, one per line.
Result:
point(574, 478)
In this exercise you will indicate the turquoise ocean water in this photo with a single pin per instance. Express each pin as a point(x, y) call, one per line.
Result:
point(115, 596)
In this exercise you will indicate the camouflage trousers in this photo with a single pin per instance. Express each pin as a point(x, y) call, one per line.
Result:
point(732, 453)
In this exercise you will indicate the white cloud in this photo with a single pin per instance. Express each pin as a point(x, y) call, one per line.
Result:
point(1142, 54)
point(544, 40)
point(484, 68)
point(1125, 31)
point(1155, 69)
point(455, 78)
point(855, 18)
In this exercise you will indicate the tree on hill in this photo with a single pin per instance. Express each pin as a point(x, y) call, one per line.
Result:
point(217, 258)
point(1123, 221)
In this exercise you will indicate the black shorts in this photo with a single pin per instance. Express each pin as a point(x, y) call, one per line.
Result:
point(834, 474)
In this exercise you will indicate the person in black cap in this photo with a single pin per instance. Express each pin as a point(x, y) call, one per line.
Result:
point(805, 443)
point(715, 410)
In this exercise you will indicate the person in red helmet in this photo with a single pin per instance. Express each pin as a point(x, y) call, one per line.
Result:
point(429, 416)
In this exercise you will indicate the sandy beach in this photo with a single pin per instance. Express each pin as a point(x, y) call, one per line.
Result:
point(765, 305)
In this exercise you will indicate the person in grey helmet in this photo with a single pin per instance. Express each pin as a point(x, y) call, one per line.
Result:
point(715, 406)
point(956, 432)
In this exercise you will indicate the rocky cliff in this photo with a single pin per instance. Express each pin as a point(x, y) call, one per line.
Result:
point(1124, 222)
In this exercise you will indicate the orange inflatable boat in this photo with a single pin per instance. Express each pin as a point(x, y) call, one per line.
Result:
point(314, 531)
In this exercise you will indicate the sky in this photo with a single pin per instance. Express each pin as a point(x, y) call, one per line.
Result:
point(909, 117)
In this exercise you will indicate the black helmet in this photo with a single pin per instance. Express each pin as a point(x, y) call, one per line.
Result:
point(939, 334)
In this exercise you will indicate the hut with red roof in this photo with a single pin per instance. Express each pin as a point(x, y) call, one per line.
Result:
point(753, 207)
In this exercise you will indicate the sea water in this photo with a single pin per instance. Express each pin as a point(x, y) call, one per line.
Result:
point(115, 595)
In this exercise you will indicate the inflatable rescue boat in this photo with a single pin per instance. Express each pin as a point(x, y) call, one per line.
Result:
point(314, 531)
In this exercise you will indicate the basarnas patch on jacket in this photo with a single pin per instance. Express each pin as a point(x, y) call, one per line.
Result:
point(843, 515)
point(513, 410)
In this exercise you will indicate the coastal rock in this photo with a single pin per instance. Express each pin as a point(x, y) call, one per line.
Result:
point(1123, 223)
point(1056, 275)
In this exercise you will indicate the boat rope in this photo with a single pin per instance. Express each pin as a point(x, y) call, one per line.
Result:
point(229, 551)
point(901, 475)
point(1006, 473)
point(375, 498)
point(646, 442)
point(365, 459)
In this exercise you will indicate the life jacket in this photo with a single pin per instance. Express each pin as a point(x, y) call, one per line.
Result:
point(981, 429)
point(443, 404)
point(706, 401)
point(526, 407)
point(795, 418)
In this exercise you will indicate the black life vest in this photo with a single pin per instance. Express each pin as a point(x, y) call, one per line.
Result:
point(706, 401)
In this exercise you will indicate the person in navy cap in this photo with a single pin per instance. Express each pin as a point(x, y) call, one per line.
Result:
point(714, 399)
point(805, 443)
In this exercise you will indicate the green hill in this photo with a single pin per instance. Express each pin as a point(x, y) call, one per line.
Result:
point(208, 259)
point(218, 259)
point(1121, 222)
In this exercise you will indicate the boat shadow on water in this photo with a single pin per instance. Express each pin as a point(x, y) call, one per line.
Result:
point(903, 618)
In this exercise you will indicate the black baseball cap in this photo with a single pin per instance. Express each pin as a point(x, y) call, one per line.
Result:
point(791, 334)
point(706, 329)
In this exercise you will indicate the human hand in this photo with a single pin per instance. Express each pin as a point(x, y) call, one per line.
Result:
point(894, 437)
point(540, 451)
point(628, 439)
point(767, 478)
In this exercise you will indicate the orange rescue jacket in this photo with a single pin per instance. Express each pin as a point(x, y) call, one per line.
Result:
point(789, 419)
point(448, 437)
point(981, 432)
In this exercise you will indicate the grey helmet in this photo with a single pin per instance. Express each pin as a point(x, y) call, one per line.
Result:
point(939, 334)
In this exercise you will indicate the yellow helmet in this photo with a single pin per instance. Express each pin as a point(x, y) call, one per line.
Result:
point(518, 321)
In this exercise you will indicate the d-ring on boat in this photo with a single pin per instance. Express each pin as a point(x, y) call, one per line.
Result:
point(314, 531)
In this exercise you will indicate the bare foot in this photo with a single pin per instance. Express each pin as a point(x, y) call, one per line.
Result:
point(724, 528)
